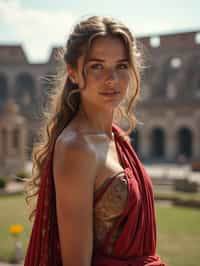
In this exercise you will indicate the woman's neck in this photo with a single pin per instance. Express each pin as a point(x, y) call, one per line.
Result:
point(94, 121)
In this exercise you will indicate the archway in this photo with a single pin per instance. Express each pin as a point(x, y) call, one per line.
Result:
point(16, 138)
point(135, 140)
point(158, 143)
point(25, 88)
point(185, 142)
point(3, 88)
point(4, 141)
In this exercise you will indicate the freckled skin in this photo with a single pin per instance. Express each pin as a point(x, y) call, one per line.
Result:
point(106, 70)
point(104, 74)
point(88, 141)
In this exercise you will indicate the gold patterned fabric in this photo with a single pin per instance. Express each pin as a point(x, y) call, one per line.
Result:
point(109, 208)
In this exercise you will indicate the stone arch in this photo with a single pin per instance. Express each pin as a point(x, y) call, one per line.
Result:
point(192, 82)
point(135, 140)
point(47, 83)
point(157, 143)
point(3, 88)
point(175, 76)
point(158, 90)
point(169, 72)
point(149, 78)
point(30, 142)
point(25, 88)
point(4, 140)
point(16, 138)
point(198, 83)
point(159, 84)
point(184, 138)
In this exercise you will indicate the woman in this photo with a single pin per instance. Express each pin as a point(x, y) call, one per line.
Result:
point(95, 200)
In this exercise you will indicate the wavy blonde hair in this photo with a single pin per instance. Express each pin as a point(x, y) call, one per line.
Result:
point(64, 100)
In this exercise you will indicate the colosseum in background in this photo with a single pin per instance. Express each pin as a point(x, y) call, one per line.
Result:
point(169, 109)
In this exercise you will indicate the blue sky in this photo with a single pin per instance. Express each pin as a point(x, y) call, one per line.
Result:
point(39, 25)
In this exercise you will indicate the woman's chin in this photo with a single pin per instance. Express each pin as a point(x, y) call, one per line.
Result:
point(110, 105)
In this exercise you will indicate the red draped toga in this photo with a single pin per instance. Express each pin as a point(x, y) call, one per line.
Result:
point(136, 243)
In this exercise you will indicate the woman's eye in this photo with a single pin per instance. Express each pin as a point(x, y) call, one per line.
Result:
point(97, 66)
point(122, 66)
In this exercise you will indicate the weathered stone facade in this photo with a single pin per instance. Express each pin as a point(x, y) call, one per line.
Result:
point(170, 103)
point(169, 109)
point(13, 140)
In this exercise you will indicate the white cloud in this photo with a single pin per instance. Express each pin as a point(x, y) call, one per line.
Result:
point(36, 29)
point(39, 29)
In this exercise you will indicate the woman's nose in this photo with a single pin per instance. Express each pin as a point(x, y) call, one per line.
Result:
point(112, 78)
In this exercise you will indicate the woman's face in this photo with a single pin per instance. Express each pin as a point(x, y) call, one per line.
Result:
point(106, 73)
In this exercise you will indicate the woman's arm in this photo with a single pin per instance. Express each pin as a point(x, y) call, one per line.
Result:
point(74, 171)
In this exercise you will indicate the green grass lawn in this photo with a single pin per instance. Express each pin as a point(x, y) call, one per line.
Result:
point(13, 210)
point(178, 235)
point(178, 231)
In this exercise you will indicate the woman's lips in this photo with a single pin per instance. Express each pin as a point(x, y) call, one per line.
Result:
point(110, 93)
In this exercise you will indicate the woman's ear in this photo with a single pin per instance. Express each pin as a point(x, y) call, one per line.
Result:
point(72, 74)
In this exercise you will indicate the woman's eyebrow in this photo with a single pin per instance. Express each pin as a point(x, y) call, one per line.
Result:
point(95, 59)
point(123, 60)
point(101, 60)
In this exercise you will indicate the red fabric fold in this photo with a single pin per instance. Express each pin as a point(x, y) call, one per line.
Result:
point(103, 260)
point(135, 246)
point(44, 247)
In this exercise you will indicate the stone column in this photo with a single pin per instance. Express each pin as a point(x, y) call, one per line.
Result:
point(12, 84)
point(170, 133)
point(196, 144)
point(144, 142)
point(196, 136)
point(23, 143)
point(170, 144)
point(1, 146)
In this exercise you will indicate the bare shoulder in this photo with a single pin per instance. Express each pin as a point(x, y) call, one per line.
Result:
point(73, 155)
point(74, 171)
